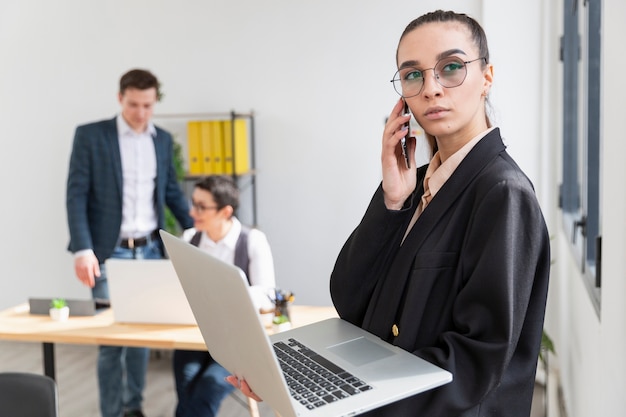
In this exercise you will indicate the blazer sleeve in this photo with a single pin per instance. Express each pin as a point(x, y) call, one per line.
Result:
point(77, 192)
point(94, 195)
point(498, 312)
point(365, 256)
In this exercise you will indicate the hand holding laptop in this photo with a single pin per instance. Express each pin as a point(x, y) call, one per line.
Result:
point(243, 387)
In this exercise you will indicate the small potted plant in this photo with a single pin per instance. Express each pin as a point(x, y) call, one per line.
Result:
point(59, 310)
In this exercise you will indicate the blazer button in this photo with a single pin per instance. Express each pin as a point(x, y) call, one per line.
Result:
point(395, 330)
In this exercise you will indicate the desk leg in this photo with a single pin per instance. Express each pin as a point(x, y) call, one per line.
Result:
point(48, 360)
point(253, 407)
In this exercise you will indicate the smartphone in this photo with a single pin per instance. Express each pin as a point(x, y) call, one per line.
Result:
point(404, 140)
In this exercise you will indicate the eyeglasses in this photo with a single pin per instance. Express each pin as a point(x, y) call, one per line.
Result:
point(449, 72)
point(200, 208)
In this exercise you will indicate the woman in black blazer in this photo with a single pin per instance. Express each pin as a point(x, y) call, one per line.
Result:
point(451, 260)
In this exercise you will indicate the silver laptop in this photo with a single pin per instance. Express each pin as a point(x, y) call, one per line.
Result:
point(78, 307)
point(146, 291)
point(357, 371)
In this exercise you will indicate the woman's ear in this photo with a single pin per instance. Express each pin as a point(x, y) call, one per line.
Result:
point(488, 79)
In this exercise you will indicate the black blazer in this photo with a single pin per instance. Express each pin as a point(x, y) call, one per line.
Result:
point(94, 187)
point(467, 289)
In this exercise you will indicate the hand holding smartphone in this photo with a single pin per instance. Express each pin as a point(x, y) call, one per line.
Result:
point(403, 141)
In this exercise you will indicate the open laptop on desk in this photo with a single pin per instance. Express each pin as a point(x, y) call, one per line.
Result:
point(77, 307)
point(357, 371)
point(146, 291)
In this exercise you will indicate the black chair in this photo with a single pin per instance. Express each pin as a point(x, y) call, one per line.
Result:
point(28, 395)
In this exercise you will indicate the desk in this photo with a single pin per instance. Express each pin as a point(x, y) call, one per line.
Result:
point(18, 324)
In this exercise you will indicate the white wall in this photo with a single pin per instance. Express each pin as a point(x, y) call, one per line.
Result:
point(596, 385)
point(613, 340)
point(590, 348)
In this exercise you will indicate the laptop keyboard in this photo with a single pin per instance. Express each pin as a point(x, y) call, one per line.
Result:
point(313, 380)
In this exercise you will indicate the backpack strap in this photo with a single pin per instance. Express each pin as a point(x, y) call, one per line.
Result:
point(195, 239)
point(242, 260)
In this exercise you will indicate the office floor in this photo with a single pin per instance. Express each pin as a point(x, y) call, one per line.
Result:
point(78, 391)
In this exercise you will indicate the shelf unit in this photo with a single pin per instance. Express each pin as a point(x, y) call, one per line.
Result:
point(246, 181)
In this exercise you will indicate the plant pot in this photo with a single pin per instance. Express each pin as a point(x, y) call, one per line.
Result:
point(281, 323)
point(281, 327)
point(60, 314)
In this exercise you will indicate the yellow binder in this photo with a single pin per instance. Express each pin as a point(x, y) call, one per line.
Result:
point(217, 147)
point(238, 144)
point(194, 148)
point(212, 146)
point(207, 152)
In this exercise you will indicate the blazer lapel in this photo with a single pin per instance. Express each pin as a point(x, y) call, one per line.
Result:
point(483, 152)
point(382, 314)
point(160, 151)
point(160, 154)
point(112, 139)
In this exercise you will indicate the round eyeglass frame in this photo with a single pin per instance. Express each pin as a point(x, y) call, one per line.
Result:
point(397, 81)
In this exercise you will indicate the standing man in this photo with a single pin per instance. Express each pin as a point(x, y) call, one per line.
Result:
point(121, 177)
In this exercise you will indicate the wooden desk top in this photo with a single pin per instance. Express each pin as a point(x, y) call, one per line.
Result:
point(18, 324)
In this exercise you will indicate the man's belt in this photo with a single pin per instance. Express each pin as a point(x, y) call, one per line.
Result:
point(132, 243)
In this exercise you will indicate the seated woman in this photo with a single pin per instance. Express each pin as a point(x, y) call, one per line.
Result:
point(200, 383)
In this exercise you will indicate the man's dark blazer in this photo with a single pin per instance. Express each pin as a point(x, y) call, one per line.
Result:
point(466, 290)
point(94, 187)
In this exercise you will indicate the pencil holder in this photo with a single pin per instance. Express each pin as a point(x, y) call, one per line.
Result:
point(282, 319)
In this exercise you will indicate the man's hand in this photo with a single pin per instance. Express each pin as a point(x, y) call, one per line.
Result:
point(87, 268)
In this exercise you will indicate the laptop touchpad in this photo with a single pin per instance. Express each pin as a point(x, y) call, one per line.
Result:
point(360, 351)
